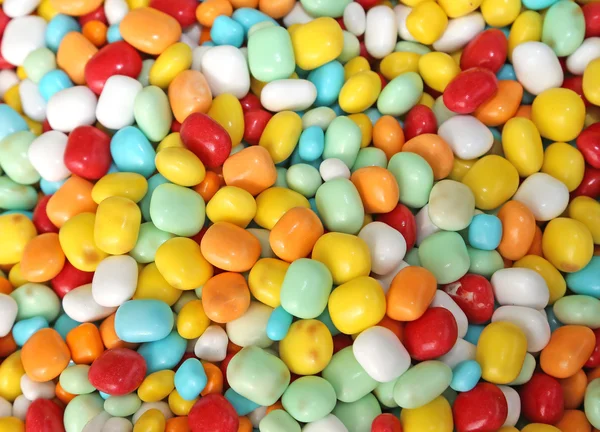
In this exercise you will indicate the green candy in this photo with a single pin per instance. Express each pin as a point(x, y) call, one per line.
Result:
point(38, 63)
point(564, 27)
point(385, 393)
point(281, 178)
point(414, 47)
point(306, 288)
point(309, 398)
point(325, 8)
point(81, 410)
point(414, 177)
point(400, 94)
point(578, 310)
point(412, 257)
point(122, 406)
point(144, 76)
point(370, 156)
point(14, 159)
point(348, 378)
point(14, 196)
point(422, 383)
point(177, 209)
point(304, 179)
point(483, 262)
point(278, 421)
point(350, 49)
point(339, 206)
point(358, 416)
point(342, 140)
point(441, 112)
point(152, 113)
point(149, 240)
point(591, 403)
point(526, 371)
point(36, 300)
point(321, 117)
point(74, 380)
point(270, 54)
point(445, 255)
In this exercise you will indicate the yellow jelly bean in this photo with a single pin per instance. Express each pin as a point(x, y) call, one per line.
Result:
point(436, 416)
point(522, 145)
point(12, 98)
point(366, 128)
point(157, 386)
point(274, 202)
point(178, 405)
point(46, 10)
point(540, 427)
point(567, 244)
point(265, 280)
point(307, 348)
point(591, 82)
point(346, 256)
point(427, 100)
point(136, 4)
point(171, 140)
point(232, 204)
point(256, 86)
point(192, 320)
point(554, 279)
point(460, 168)
point(501, 352)
point(180, 166)
point(565, 163)
point(15, 277)
point(437, 70)
point(11, 424)
point(317, 42)
point(281, 135)
point(397, 63)
point(427, 21)
point(152, 420)
point(458, 8)
point(181, 263)
point(21, 74)
point(35, 127)
point(117, 225)
point(493, 180)
point(15, 232)
point(526, 28)
point(152, 285)
point(227, 111)
point(174, 60)
point(360, 92)
point(559, 114)
point(11, 371)
point(411, 3)
point(76, 238)
point(500, 13)
point(124, 184)
point(356, 65)
point(587, 211)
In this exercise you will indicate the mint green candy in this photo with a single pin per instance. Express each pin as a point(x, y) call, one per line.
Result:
point(348, 378)
point(15, 196)
point(14, 159)
point(122, 406)
point(177, 210)
point(445, 255)
point(339, 206)
point(342, 140)
point(578, 310)
point(144, 76)
point(152, 113)
point(400, 94)
point(306, 288)
point(591, 403)
point(309, 398)
point(564, 27)
point(422, 383)
point(271, 54)
point(350, 49)
point(385, 393)
point(526, 371)
point(441, 112)
point(325, 8)
point(35, 299)
point(370, 156)
point(38, 63)
point(278, 421)
point(412, 257)
point(281, 178)
point(149, 240)
point(414, 177)
point(259, 26)
point(359, 415)
point(304, 179)
point(414, 47)
point(483, 262)
point(81, 410)
point(74, 380)
point(320, 116)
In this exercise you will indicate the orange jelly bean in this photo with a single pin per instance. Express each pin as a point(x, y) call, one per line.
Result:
point(109, 335)
point(209, 186)
point(245, 425)
point(244, 3)
point(395, 326)
point(73, 197)
point(95, 32)
point(209, 10)
point(536, 244)
point(62, 395)
point(225, 297)
point(524, 111)
point(410, 293)
point(229, 247)
point(75, 7)
point(214, 377)
point(377, 187)
point(5, 286)
point(7, 345)
point(45, 355)
point(574, 389)
point(574, 421)
point(388, 136)
point(276, 8)
point(276, 406)
point(295, 234)
point(177, 424)
point(569, 348)
point(502, 106)
point(85, 343)
point(42, 258)
point(518, 230)
point(251, 169)
point(435, 151)
point(149, 30)
point(189, 93)
point(73, 54)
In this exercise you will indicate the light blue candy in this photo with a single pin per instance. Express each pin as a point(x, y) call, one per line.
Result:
point(552, 320)
point(241, 405)
point(190, 379)
point(104, 395)
point(313, 207)
point(10, 122)
point(465, 376)
point(25, 213)
point(329, 80)
point(507, 72)
point(587, 280)
point(325, 318)
point(113, 34)
point(24, 329)
point(247, 17)
point(373, 114)
point(279, 323)
point(53, 82)
point(226, 31)
point(297, 159)
point(473, 333)
point(64, 324)
point(337, 109)
point(132, 152)
point(163, 354)
point(49, 187)
point(311, 144)
point(485, 232)
point(538, 4)
point(143, 321)
point(58, 27)
point(527, 98)
point(153, 182)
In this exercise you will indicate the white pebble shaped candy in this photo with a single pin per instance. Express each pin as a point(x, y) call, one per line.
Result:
point(288, 95)
point(329, 423)
point(297, 15)
point(386, 244)
point(537, 67)
point(21, 36)
point(443, 300)
point(197, 55)
point(8, 79)
point(79, 304)
point(33, 390)
point(460, 352)
point(381, 354)
point(451, 205)
point(589, 50)
point(468, 137)
point(71, 108)
point(115, 105)
point(545, 196)
point(425, 226)
point(191, 35)
point(520, 287)
point(226, 71)
point(8, 314)
point(333, 168)
point(534, 324)
point(115, 280)
point(20, 407)
point(381, 31)
point(47, 155)
point(19, 8)
point(96, 424)
point(117, 424)
point(459, 32)
point(257, 415)
point(355, 19)
point(402, 13)
point(251, 328)
point(163, 407)
point(5, 408)
point(513, 400)
point(34, 105)
point(115, 11)
point(212, 344)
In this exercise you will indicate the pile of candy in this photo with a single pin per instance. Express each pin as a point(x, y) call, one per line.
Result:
point(314, 215)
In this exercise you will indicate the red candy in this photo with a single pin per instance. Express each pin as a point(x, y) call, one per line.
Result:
point(588, 143)
point(117, 371)
point(591, 13)
point(341, 341)
point(432, 335)
point(88, 152)
point(469, 89)
point(386, 423)
point(419, 120)
point(95, 15)
point(403, 221)
point(590, 185)
point(118, 58)
point(70, 278)
point(255, 123)
point(4, 19)
point(474, 295)
point(40, 217)
point(575, 83)
point(594, 360)
point(482, 409)
point(206, 138)
point(183, 11)
point(487, 50)
point(213, 413)
point(368, 4)
point(250, 102)
point(43, 415)
point(542, 399)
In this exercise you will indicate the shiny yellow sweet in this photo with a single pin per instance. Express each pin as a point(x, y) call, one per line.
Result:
point(21, 74)
point(317, 42)
point(181, 263)
point(76, 238)
point(354, 66)
point(226, 110)
point(366, 128)
point(35, 127)
point(281, 135)
point(171, 140)
point(398, 63)
point(46, 10)
point(522, 145)
point(360, 92)
point(591, 82)
point(13, 99)
point(526, 28)
point(493, 181)
point(587, 211)
point(15, 277)
point(265, 280)
point(427, 100)
point(540, 427)
point(554, 279)
point(178, 405)
point(11, 371)
point(117, 225)
point(274, 202)
point(174, 60)
point(152, 420)
point(460, 167)
point(411, 3)
point(559, 114)
point(437, 70)
point(152, 285)
point(501, 352)
point(157, 386)
point(180, 166)
point(192, 320)
point(15, 232)
point(427, 22)
point(458, 8)
point(11, 424)
point(256, 86)
point(565, 163)
point(124, 184)
point(232, 204)
point(307, 348)
point(500, 13)
point(345, 255)
point(436, 416)
point(136, 4)
point(567, 244)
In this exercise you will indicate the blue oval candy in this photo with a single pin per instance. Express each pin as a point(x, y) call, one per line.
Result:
point(24, 329)
point(465, 376)
point(279, 323)
point(329, 80)
point(132, 152)
point(163, 354)
point(587, 280)
point(58, 27)
point(53, 82)
point(485, 232)
point(143, 321)
point(10, 122)
point(226, 31)
point(311, 144)
point(190, 379)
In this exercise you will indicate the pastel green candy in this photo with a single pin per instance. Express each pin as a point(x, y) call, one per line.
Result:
point(342, 140)
point(441, 112)
point(412, 257)
point(177, 209)
point(357, 416)
point(81, 410)
point(578, 310)
point(38, 63)
point(445, 255)
point(259, 26)
point(400, 94)
point(370, 156)
point(564, 27)
point(152, 113)
point(320, 116)
point(258, 376)
point(281, 178)
point(339, 206)
point(309, 398)
point(74, 380)
point(149, 240)
point(484, 263)
point(15, 196)
point(385, 393)
point(451, 205)
point(526, 371)
point(122, 406)
point(35, 299)
point(591, 403)
point(414, 177)
point(325, 8)
point(306, 288)
point(14, 159)
point(270, 53)
point(144, 76)
point(414, 47)
point(422, 383)
point(348, 378)
point(238, 148)
point(278, 421)
point(304, 179)
point(350, 49)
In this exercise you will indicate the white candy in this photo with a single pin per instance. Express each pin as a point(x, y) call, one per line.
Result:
point(537, 67)
point(97, 423)
point(70, 108)
point(8, 314)
point(226, 71)
point(20, 407)
point(257, 415)
point(386, 244)
point(460, 352)
point(197, 55)
point(451, 205)
point(589, 50)
point(329, 423)
point(381, 354)
point(514, 405)
point(115, 105)
point(8, 79)
point(21, 36)
point(355, 19)
point(212, 345)
point(381, 31)
point(79, 304)
point(115, 11)
point(297, 16)
point(47, 155)
point(163, 407)
point(191, 35)
point(5, 408)
point(425, 227)
point(115, 280)
point(468, 137)
point(545, 196)
point(34, 390)
point(459, 32)
point(443, 300)
point(34, 105)
point(117, 424)
point(386, 280)
point(533, 324)
point(333, 168)
point(19, 8)
point(288, 95)
point(402, 13)
point(251, 328)
point(520, 287)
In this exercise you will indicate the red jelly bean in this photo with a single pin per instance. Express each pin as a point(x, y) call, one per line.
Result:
point(419, 120)
point(341, 341)
point(474, 295)
point(469, 89)
point(40, 217)
point(482, 409)
point(368, 4)
point(213, 413)
point(432, 335)
point(96, 15)
point(386, 423)
point(175, 126)
point(206, 138)
point(46, 126)
point(4, 64)
point(594, 360)
point(575, 83)
point(70, 278)
point(250, 102)
point(591, 13)
point(403, 221)
point(223, 368)
point(542, 399)
point(183, 11)
point(43, 415)
point(487, 50)
point(4, 19)
point(590, 185)
point(117, 371)
point(588, 143)
point(118, 58)
point(255, 123)
point(88, 152)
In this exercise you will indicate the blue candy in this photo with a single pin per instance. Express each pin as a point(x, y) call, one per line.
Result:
point(226, 31)
point(311, 144)
point(143, 321)
point(279, 323)
point(241, 405)
point(64, 324)
point(465, 376)
point(247, 17)
point(53, 82)
point(190, 379)
point(113, 34)
point(325, 318)
point(507, 72)
point(587, 280)
point(24, 329)
point(329, 80)
point(538, 4)
point(57, 28)
point(473, 333)
point(485, 232)
point(132, 152)
point(50, 188)
point(163, 354)
point(552, 320)
point(10, 122)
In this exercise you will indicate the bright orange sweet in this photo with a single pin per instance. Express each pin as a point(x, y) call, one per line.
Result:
point(149, 30)
point(377, 187)
point(518, 230)
point(245, 425)
point(75, 7)
point(43, 258)
point(388, 136)
point(569, 348)
point(229, 247)
point(410, 293)
point(177, 424)
point(209, 186)
point(574, 389)
point(189, 93)
point(45, 355)
point(276, 8)
point(295, 234)
point(85, 343)
point(214, 375)
point(73, 54)
point(502, 106)
point(225, 297)
point(209, 10)
point(73, 197)
point(95, 32)
point(435, 151)
point(251, 169)
point(109, 335)
point(574, 421)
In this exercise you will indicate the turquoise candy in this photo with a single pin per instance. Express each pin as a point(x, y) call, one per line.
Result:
point(485, 232)
point(552, 320)
point(281, 178)
point(507, 73)
point(587, 280)
point(143, 321)
point(385, 393)
point(422, 383)
point(14, 196)
point(591, 403)
point(49, 188)
point(165, 353)
point(465, 376)
point(132, 152)
point(348, 378)
point(74, 380)
point(311, 144)
point(414, 177)
point(564, 27)
point(320, 117)
point(248, 17)
point(153, 182)
point(329, 80)
point(445, 255)
point(152, 113)
point(278, 421)
point(241, 405)
point(36, 300)
point(306, 288)
point(14, 159)
point(400, 94)
point(149, 240)
point(53, 82)
point(24, 329)
point(325, 8)
point(226, 31)
point(38, 63)
point(177, 209)
point(473, 333)
point(10, 122)
point(309, 398)
point(295, 159)
point(578, 310)
point(64, 324)
point(190, 379)
point(325, 318)
point(57, 29)
point(304, 179)
point(342, 140)
point(370, 156)
point(359, 415)
point(340, 207)
point(526, 371)
point(81, 410)
point(483, 262)
point(122, 406)
point(538, 4)
point(113, 34)
point(279, 324)
point(373, 115)
point(414, 47)
point(271, 54)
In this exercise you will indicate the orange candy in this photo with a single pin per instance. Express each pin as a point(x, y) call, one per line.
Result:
point(244, 3)
point(251, 169)
point(410, 293)
point(7, 345)
point(225, 297)
point(75, 7)
point(574, 421)
point(73, 197)
point(189, 93)
point(502, 106)
point(42, 258)
point(245, 425)
point(569, 348)
point(62, 395)
point(574, 389)
point(209, 10)
point(377, 188)
point(536, 244)
point(74, 52)
point(395, 326)
point(177, 424)
point(214, 377)
point(435, 151)
point(5, 286)
point(45, 355)
point(276, 8)
point(109, 335)
point(518, 230)
point(85, 343)
point(524, 111)
point(295, 234)
point(388, 135)
point(95, 32)
point(276, 406)
point(209, 186)
point(229, 247)
point(149, 30)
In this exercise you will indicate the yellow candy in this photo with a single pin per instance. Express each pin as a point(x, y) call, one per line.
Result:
point(174, 60)
point(35, 127)
point(493, 180)
point(265, 280)
point(317, 42)
point(522, 145)
point(21, 74)
point(427, 21)
point(117, 225)
point(427, 100)
point(458, 8)
point(354, 66)
point(124, 184)
point(501, 351)
point(437, 70)
point(192, 321)
point(360, 92)
point(171, 140)
point(256, 86)
point(554, 279)
point(456, 55)
point(565, 163)
point(136, 4)
point(76, 238)
point(181, 263)
point(46, 10)
point(397, 63)
point(274, 202)
point(11, 424)
point(12, 98)
point(591, 82)
point(152, 420)
point(152, 285)
point(227, 111)
point(281, 135)
point(366, 128)
point(157, 386)
point(15, 232)
point(526, 28)
point(307, 348)
point(412, 3)
point(179, 406)
point(436, 416)
point(540, 427)
point(180, 166)
point(232, 204)
point(11, 371)
point(559, 114)
point(500, 13)
point(460, 168)
point(567, 244)
point(15, 276)
point(587, 211)
point(508, 429)
point(346, 256)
